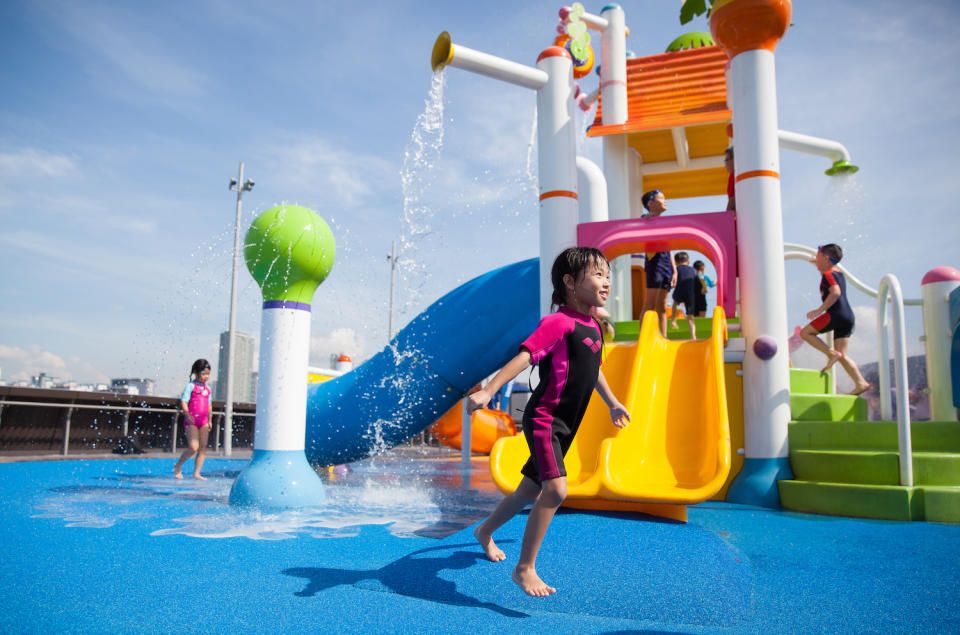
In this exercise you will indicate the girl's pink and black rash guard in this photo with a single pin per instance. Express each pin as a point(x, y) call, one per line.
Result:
point(567, 349)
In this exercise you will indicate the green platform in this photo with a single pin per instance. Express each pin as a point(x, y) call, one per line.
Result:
point(630, 330)
point(844, 465)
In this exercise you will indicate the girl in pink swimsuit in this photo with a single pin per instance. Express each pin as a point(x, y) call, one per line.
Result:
point(196, 402)
point(567, 347)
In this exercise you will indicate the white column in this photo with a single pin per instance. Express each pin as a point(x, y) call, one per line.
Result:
point(766, 383)
point(936, 288)
point(592, 192)
point(282, 385)
point(613, 91)
point(557, 149)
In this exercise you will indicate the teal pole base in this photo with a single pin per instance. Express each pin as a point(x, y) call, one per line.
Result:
point(756, 484)
point(278, 479)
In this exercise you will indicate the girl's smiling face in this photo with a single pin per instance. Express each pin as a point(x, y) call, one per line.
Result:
point(591, 289)
point(204, 376)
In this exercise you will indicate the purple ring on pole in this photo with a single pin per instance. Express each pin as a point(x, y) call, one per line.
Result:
point(286, 304)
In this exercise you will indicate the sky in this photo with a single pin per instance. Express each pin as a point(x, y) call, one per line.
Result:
point(121, 124)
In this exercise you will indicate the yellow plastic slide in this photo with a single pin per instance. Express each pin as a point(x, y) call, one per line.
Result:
point(676, 450)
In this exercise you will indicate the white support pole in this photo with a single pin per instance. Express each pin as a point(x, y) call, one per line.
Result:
point(558, 170)
point(592, 192)
point(466, 436)
point(766, 382)
point(889, 285)
point(616, 166)
point(281, 390)
point(936, 287)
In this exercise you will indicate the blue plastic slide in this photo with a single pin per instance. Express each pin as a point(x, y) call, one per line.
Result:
point(430, 365)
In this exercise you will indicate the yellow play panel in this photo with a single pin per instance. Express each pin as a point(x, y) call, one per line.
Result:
point(676, 450)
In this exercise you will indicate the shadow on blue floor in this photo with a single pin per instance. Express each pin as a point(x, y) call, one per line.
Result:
point(412, 575)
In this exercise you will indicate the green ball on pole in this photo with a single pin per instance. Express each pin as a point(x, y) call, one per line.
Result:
point(289, 251)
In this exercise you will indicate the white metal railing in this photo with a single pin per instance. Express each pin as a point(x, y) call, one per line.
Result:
point(793, 251)
point(889, 285)
point(888, 293)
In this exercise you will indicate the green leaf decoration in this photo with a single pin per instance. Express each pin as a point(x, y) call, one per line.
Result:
point(693, 40)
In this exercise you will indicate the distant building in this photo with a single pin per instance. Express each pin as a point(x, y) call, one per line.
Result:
point(244, 367)
point(138, 386)
point(42, 380)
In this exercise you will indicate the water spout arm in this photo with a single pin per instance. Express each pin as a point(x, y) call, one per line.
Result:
point(446, 53)
point(833, 150)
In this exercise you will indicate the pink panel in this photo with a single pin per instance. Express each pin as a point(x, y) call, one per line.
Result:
point(713, 234)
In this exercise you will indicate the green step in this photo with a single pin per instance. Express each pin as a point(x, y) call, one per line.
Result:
point(873, 467)
point(804, 380)
point(813, 407)
point(941, 504)
point(925, 436)
point(889, 502)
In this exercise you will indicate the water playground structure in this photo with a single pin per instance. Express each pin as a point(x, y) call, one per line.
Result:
point(665, 122)
point(293, 547)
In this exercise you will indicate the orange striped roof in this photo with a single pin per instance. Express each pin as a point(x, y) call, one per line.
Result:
point(672, 89)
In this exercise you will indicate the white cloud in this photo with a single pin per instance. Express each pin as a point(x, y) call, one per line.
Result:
point(342, 340)
point(29, 164)
point(315, 167)
point(21, 363)
point(128, 43)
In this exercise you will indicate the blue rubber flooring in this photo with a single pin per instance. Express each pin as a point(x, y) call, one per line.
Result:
point(120, 546)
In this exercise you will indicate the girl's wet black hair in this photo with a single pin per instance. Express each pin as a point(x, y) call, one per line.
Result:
point(573, 261)
point(198, 367)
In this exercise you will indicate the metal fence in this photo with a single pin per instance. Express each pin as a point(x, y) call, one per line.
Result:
point(40, 420)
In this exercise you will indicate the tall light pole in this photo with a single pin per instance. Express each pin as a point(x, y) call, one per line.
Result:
point(240, 187)
point(392, 257)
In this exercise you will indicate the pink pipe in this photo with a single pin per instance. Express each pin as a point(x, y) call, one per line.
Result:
point(711, 234)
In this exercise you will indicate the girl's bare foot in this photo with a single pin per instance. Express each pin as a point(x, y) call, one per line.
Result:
point(832, 358)
point(528, 580)
point(860, 389)
point(176, 472)
point(494, 553)
point(199, 478)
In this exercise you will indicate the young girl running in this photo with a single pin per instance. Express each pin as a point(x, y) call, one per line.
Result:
point(567, 346)
point(197, 405)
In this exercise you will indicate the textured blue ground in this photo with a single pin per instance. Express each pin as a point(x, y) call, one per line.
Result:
point(119, 546)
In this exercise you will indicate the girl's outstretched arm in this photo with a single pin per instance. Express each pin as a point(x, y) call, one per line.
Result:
point(513, 368)
point(618, 413)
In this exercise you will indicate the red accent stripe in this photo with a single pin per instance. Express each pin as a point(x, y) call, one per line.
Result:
point(554, 51)
point(614, 82)
point(754, 173)
point(553, 193)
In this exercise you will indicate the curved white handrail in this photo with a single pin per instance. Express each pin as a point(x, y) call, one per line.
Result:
point(889, 285)
point(794, 251)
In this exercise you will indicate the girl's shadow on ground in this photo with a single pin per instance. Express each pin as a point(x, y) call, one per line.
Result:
point(411, 575)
